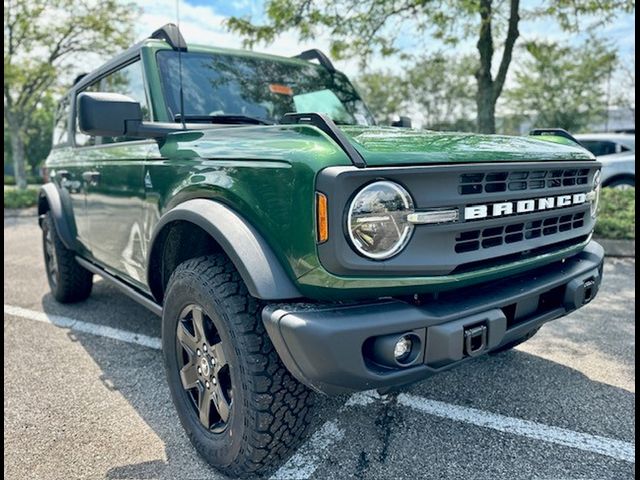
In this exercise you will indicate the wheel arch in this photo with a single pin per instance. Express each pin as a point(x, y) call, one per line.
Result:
point(201, 226)
point(57, 201)
point(619, 176)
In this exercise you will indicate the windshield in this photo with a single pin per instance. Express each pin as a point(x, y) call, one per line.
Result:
point(216, 84)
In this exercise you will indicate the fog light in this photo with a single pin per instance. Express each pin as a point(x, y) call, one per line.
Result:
point(402, 348)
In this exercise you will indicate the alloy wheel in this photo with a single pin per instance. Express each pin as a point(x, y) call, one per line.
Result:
point(204, 369)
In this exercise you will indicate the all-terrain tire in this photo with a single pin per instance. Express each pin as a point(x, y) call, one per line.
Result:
point(269, 411)
point(68, 280)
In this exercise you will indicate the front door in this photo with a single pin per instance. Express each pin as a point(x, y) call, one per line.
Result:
point(114, 176)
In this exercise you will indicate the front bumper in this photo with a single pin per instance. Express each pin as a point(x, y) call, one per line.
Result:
point(329, 347)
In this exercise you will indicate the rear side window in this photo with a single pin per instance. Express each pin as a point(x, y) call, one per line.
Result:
point(599, 147)
point(61, 124)
point(128, 81)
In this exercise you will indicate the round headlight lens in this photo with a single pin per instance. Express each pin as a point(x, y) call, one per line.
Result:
point(596, 191)
point(377, 221)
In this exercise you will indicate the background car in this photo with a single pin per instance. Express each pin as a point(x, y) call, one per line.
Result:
point(616, 151)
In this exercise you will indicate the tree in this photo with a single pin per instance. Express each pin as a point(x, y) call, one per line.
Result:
point(384, 93)
point(625, 96)
point(364, 27)
point(442, 87)
point(438, 86)
point(563, 86)
point(42, 38)
point(37, 135)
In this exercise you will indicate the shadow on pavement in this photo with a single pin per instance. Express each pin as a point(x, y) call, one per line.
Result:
point(513, 383)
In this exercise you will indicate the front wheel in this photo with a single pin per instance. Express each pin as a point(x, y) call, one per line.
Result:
point(240, 407)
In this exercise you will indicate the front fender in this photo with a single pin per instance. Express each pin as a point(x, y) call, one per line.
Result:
point(254, 259)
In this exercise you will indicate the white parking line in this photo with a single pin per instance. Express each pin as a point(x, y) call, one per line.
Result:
point(85, 327)
point(313, 452)
point(582, 441)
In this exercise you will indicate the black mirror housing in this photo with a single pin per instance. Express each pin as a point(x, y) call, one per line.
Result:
point(104, 114)
point(404, 122)
point(107, 114)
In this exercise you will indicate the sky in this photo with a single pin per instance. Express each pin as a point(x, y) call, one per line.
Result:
point(201, 21)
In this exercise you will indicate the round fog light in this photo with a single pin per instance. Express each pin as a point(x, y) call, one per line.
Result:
point(402, 348)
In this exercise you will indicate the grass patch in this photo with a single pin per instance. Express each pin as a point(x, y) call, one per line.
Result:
point(14, 198)
point(617, 215)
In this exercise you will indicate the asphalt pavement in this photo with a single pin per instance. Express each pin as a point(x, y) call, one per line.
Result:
point(85, 396)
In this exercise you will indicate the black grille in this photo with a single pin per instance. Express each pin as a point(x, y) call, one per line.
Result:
point(472, 240)
point(474, 183)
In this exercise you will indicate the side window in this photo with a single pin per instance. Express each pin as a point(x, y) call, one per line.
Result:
point(127, 81)
point(600, 147)
point(61, 123)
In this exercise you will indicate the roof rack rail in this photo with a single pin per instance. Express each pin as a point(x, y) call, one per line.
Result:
point(315, 54)
point(170, 33)
point(558, 132)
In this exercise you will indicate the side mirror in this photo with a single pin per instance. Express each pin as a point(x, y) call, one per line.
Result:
point(404, 122)
point(114, 115)
point(107, 114)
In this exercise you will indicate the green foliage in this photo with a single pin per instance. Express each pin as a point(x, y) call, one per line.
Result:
point(384, 93)
point(563, 86)
point(444, 89)
point(617, 214)
point(37, 135)
point(17, 198)
point(362, 28)
point(440, 86)
point(43, 40)
point(9, 180)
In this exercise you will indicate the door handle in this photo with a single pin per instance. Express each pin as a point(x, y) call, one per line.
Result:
point(91, 177)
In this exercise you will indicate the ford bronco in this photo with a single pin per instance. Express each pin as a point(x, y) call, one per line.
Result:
point(290, 245)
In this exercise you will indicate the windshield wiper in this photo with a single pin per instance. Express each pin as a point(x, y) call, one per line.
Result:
point(224, 119)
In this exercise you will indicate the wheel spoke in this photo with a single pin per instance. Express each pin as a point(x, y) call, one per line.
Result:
point(220, 401)
point(198, 324)
point(218, 354)
point(204, 406)
point(187, 340)
point(189, 376)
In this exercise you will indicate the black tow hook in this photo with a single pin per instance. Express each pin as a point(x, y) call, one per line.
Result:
point(475, 340)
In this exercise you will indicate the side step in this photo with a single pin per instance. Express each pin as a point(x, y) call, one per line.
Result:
point(123, 287)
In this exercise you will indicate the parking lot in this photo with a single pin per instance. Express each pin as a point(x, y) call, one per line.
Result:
point(85, 396)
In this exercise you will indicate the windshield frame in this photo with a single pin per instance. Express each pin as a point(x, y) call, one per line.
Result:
point(166, 100)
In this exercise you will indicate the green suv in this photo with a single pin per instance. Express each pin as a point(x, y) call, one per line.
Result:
point(291, 245)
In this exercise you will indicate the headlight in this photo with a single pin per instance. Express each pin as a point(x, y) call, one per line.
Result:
point(595, 194)
point(377, 220)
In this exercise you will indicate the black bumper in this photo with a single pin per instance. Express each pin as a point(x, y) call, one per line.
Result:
point(336, 348)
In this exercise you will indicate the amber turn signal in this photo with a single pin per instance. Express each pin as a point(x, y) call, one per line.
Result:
point(322, 218)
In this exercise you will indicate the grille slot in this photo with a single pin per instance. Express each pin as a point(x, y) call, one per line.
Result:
point(472, 240)
point(475, 183)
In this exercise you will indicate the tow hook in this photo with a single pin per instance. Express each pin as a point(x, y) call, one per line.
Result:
point(475, 340)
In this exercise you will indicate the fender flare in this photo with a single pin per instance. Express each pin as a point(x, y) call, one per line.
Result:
point(57, 201)
point(254, 259)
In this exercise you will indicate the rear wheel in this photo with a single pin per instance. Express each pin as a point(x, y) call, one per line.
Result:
point(240, 407)
point(68, 280)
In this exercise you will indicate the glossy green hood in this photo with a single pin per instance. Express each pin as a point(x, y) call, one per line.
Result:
point(385, 146)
